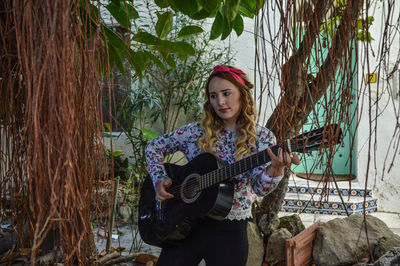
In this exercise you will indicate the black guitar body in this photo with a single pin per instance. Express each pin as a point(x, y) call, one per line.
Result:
point(166, 223)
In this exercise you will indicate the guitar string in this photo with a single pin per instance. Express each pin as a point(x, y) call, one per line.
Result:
point(177, 189)
point(251, 160)
point(215, 174)
point(298, 147)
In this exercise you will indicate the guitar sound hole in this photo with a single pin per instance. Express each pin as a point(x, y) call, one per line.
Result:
point(190, 189)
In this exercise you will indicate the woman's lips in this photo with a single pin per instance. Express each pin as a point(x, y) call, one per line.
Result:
point(224, 110)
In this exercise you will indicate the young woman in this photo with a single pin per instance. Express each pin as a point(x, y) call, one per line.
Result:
point(228, 130)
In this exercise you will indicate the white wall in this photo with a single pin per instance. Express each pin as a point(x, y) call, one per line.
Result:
point(385, 184)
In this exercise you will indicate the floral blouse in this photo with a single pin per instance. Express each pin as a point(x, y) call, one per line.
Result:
point(249, 185)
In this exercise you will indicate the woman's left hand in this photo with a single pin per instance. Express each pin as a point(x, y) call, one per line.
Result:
point(279, 161)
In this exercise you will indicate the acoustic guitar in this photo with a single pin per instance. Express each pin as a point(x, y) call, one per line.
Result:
point(204, 187)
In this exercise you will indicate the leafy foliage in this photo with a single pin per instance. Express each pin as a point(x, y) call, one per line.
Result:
point(130, 44)
point(330, 26)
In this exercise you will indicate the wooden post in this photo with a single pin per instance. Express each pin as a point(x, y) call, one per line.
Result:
point(112, 212)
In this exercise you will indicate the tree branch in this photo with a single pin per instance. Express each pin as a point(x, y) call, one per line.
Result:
point(292, 111)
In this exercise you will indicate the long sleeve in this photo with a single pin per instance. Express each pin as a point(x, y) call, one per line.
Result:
point(262, 183)
point(183, 139)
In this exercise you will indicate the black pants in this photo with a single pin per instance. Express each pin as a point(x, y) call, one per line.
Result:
point(219, 243)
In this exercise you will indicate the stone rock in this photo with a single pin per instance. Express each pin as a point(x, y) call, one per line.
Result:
point(124, 213)
point(120, 197)
point(342, 241)
point(390, 258)
point(385, 244)
point(256, 245)
point(292, 223)
point(268, 223)
point(276, 245)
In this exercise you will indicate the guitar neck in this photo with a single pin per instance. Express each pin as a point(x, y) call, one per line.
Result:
point(308, 141)
point(221, 174)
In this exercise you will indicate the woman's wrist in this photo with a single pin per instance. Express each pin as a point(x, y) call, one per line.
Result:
point(275, 171)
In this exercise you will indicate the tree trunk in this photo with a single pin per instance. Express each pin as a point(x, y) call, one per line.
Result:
point(295, 105)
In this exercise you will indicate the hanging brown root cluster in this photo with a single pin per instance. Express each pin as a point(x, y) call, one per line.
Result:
point(49, 126)
point(315, 49)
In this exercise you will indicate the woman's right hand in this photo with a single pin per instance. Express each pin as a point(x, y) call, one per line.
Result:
point(161, 190)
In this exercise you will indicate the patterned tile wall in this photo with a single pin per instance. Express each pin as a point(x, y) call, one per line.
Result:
point(332, 207)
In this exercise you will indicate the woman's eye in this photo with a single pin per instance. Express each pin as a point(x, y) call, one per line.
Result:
point(227, 93)
point(212, 96)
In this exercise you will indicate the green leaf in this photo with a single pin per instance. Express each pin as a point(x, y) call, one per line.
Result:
point(226, 29)
point(216, 28)
point(185, 6)
point(149, 134)
point(201, 14)
point(169, 59)
point(140, 61)
point(230, 9)
point(162, 3)
point(252, 6)
point(245, 12)
point(116, 2)
point(144, 58)
point(119, 14)
point(145, 37)
point(238, 25)
point(116, 58)
point(136, 62)
point(114, 39)
point(209, 5)
point(108, 126)
point(183, 48)
point(249, 4)
point(189, 31)
point(132, 12)
point(117, 153)
point(370, 20)
point(164, 46)
point(364, 36)
point(164, 24)
point(156, 60)
point(179, 47)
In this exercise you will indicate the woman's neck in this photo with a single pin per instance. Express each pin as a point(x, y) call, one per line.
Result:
point(230, 127)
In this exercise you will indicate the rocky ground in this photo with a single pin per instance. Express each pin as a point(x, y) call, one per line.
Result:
point(128, 249)
point(125, 240)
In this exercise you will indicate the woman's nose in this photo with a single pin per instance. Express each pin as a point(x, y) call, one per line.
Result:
point(221, 100)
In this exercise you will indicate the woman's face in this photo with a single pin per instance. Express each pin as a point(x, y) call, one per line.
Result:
point(225, 100)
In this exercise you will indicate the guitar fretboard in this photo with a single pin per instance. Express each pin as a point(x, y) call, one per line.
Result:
point(237, 168)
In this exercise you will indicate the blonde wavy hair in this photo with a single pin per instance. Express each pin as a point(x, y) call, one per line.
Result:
point(212, 124)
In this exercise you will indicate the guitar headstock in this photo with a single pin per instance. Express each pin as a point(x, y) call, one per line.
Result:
point(323, 137)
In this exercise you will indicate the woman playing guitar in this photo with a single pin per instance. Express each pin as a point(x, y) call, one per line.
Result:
point(229, 131)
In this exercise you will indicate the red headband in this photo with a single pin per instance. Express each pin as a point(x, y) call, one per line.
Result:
point(234, 72)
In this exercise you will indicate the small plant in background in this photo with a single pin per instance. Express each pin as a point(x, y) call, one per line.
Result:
point(121, 165)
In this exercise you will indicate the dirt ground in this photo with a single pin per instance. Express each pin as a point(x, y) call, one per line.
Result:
point(126, 238)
